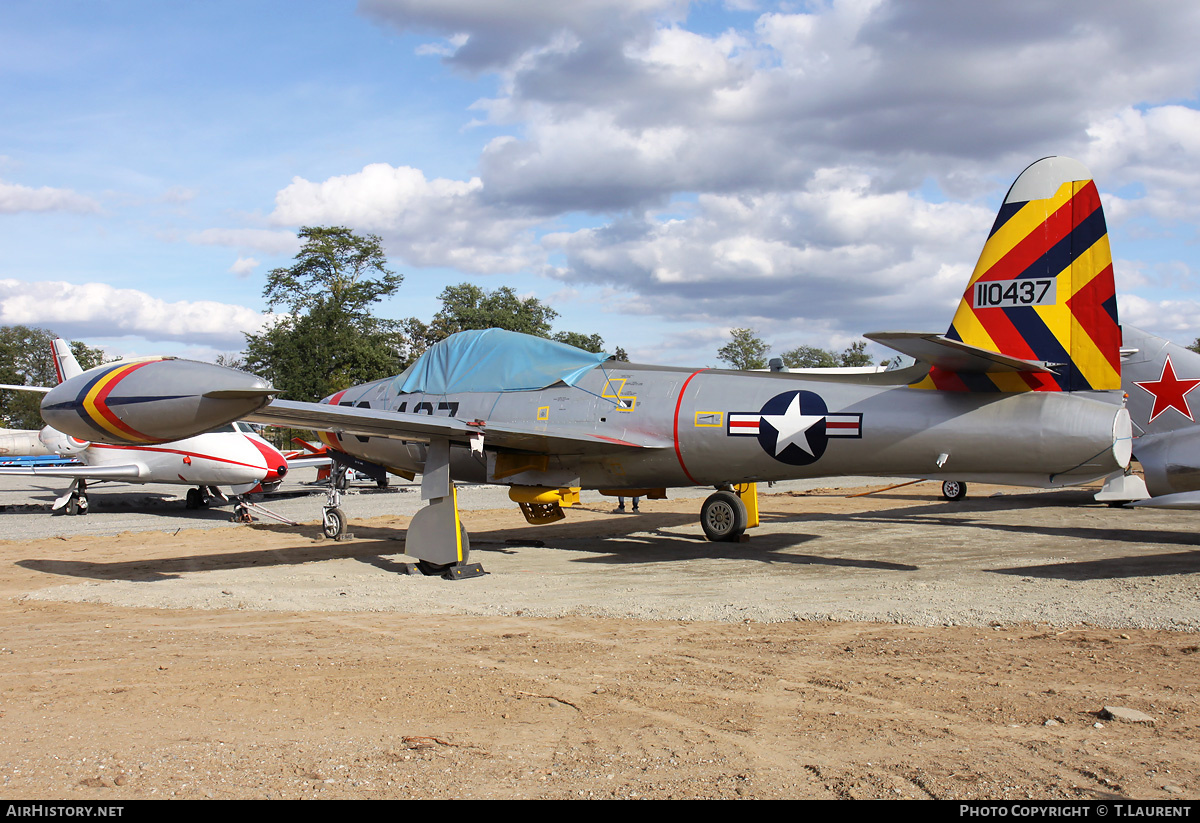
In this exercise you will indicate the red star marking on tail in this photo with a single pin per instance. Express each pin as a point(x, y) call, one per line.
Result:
point(1169, 392)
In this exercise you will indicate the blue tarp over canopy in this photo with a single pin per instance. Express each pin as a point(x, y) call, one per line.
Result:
point(496, 360)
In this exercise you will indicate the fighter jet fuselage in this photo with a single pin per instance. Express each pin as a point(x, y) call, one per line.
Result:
point(689, 427)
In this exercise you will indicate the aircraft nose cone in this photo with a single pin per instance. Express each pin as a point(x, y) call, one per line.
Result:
point(152, 401)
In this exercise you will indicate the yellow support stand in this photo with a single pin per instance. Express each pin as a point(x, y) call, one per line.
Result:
point(748, 494)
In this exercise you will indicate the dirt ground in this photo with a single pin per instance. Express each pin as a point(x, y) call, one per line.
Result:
point(260, 662)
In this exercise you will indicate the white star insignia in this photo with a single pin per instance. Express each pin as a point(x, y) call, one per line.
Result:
point(792, 426)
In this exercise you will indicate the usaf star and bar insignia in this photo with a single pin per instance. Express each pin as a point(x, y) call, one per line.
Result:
point(794, 427)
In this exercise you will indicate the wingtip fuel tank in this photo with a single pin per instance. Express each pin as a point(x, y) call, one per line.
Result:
point(152, 401)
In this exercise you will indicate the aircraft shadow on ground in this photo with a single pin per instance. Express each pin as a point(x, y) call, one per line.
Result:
point(160, 505)
point(657, 538)
point(951, 515)
point(1154, 565)
point(173, 567)
point(663, 546)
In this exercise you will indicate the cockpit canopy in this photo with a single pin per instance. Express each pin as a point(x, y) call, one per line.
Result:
point(495, 360)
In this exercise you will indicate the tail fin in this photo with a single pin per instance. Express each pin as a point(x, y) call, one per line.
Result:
point(1043, 288)
point(64, 361)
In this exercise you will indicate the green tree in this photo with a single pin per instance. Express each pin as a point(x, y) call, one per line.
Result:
point(467, 306)
point(620, 355)
point(810, 357)
point(856, 354)
point(745, 351)
point(25, 355)
point(328, 340)
point(1195, 346)
point(587, 342)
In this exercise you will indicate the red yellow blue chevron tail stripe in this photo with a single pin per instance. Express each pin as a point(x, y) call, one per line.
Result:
point(1043, 289)
point(96, 411)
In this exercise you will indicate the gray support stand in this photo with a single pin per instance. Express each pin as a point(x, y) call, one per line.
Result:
point(436, 536)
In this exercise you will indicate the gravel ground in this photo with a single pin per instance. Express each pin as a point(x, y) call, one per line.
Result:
point(894, 645)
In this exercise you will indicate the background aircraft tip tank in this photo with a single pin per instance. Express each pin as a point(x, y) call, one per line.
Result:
point(152, 400)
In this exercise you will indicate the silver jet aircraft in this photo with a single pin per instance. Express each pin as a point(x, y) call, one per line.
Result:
point(1024, 388)
point(1161, 380)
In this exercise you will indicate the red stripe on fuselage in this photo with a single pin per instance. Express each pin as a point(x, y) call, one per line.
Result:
point(177, 451)
point(614, 440)
point(678, 406)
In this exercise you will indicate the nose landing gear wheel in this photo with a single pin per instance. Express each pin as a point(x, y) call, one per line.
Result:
point(333, 523)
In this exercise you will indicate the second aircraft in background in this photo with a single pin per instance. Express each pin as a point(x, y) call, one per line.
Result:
point(231, 455)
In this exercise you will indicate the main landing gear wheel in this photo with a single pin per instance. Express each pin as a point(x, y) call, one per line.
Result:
point(196, 499)
point(77, 505)
point(432, 569)
point(333, 523)
point(723, 517)
point(954, 490)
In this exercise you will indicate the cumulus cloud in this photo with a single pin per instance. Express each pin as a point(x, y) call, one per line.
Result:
point(268, 241)
point(1169, 317)
point(244, 266)
point(100, 310)
point(771, 172)
point(488, 35)
point(1158, 149)
point(913, 91)
point(437, 222)
point(833, 251)
point(15, 198)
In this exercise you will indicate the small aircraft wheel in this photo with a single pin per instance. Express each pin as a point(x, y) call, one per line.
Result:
point(193, 499)
point(954, 490)
point(333, 523)
point(723, 517)
point(73, 505)
point(432, 569)
point(383, 482)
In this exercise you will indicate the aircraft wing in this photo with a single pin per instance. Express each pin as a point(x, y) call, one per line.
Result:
point(133, 471)
point(954, 355)
point(1179, 500)
point(307, 462)
point(421, 427)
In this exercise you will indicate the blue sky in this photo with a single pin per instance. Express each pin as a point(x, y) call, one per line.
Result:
point(658, 171)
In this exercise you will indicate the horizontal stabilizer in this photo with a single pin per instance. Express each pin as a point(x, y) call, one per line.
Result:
point(954, 355)
point(1182, 500)
point(130, 472)
point(41, 389)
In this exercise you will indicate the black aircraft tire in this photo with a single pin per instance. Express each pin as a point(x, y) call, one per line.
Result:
point(954, 490)
point(193, 499)
point(723, 517)
point(432, 569)
point(73, 506)
point(333, 523)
